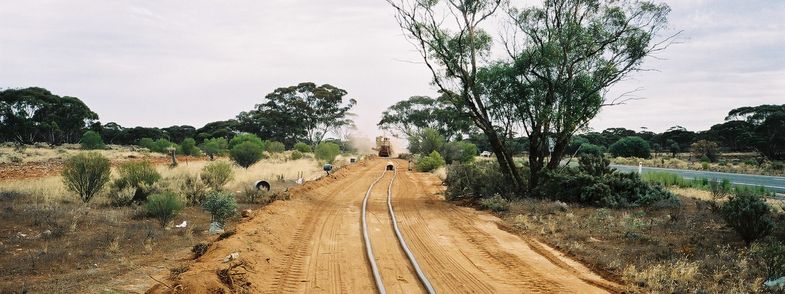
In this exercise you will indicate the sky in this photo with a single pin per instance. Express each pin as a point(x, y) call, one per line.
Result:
point(163, 63)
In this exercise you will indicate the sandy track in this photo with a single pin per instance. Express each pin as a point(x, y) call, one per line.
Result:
point(313, 244)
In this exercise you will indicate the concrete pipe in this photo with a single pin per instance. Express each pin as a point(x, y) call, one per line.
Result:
point(261, 184)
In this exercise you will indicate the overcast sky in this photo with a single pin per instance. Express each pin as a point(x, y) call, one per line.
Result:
point(161, 63)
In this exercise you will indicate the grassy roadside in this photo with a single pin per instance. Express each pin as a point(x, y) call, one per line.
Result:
point(658, 249)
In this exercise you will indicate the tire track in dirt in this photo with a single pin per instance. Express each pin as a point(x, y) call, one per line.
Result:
point(478, 263)
point(398, 274)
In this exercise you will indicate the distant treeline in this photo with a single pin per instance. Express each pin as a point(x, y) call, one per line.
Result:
point(302, 113)
point(746, 129)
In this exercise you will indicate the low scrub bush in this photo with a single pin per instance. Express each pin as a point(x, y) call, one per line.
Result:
point(215, 147)
point(302, 147)
point(91, 141)
point(771, 256)
point(296, 155)
point(496, 203)
point(163, 207)
point(612, 189)
point(217, 174)
point(749, 215)
point(243, 138)
point(275, 147)
point(327, 151)
point(246, 154)
point(188, 147)
point(86, 174)
point(121, 197)
point(139, 175)
point(220, 205)
point(430, 162)
point(460, 151)
point(475, 180)
point(194, 189)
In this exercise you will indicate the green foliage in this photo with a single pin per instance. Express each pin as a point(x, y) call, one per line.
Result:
point(246, 137)
point(188, 147)
point(301, 112)
point(672, 179)
point(591, 149)
point(430, 162)
point(220, 205)
point(409, 117)
point(460, 151)
point(594, 165)
point(631, 146)
point(215, 146)
point(296, 154)
point(476, 180)
point(146, 143)
point(302, 147)
point(161, 146)
point(86, 174)
point(194, 189)
point(216, 174)
point(91, 141)
point(246, 154)
point(611, 189)
point(426, 141)
point(749, 215)
point(496, 203)
point(140, 175)
point(275, 147)
point(327, 151)
point(163, 207)
point(36, 115)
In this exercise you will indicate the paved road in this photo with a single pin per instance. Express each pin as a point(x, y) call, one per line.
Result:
point(776, 184)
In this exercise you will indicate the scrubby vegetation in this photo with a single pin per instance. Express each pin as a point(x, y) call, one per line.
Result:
point(431, 162)
point(631, 146)
point(246, 153)
point(86, 174)
point(216, 174)
point(275, 147)
point(302, 147)
point(214, 147)
point(221, 206)
point(749, 215)
point(296, 155)
point(91, 141)
point(140, 176)
point(327, 151)
point(163, 207)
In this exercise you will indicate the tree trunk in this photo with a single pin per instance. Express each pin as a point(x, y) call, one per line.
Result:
point(506, 163)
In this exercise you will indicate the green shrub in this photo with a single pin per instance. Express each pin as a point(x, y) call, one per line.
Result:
point(591, 149)
point(496, 203)
point(121, 197)
point(327, 151)
point(163, 206)
point(243, 138)
point(631, 146)
point(475, 180)
point(296, 154)
point(594, 165)
point(220, 205)
point(612, 189)
point(275, 147)
point(188, 147)
point(214, 147)
point(86, 174)
point(246, 154)
point(194, 189)
point(430, 162)
point(460, 151)
point(140, 175)
point(749, 215)
point(426, 141)
point(216, 174)
point(719, 188)
point(146, 143)
point(302, 147)
point(91, 141)
point(161, 146)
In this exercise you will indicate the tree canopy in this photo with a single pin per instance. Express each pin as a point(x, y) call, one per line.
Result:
point(36, 115)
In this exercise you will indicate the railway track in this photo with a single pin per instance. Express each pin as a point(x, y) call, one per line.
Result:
point(379, 282)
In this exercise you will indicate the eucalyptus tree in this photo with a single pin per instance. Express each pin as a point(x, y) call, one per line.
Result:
point(408, 117)
point(561, 59)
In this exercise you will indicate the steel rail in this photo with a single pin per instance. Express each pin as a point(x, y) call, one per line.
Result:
point(377, 277)
point(420, 274)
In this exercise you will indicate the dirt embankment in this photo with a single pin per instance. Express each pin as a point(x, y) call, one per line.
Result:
point(313, 243)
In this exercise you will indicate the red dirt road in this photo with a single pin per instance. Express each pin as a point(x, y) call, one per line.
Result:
point(313, 244)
